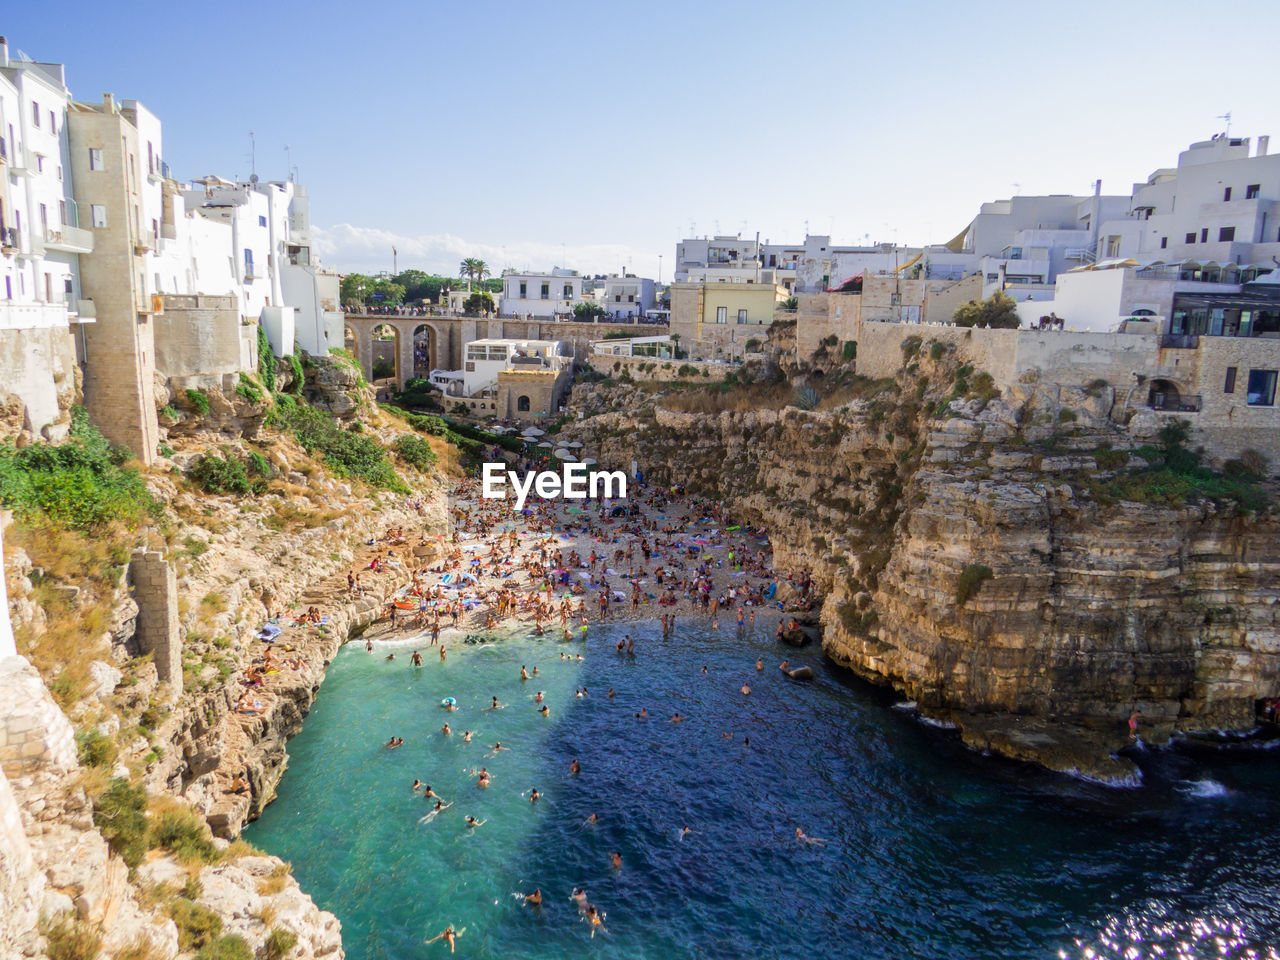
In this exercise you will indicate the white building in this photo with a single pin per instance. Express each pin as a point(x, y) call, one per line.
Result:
point(661, 346)
point(485, 359)
point(553, 294)
point(626, 296)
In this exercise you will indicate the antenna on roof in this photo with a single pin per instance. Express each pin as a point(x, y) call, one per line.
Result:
point(1227, 117)
point(253, 159)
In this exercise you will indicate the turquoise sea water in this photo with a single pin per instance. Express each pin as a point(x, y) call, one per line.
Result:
point(931, 851)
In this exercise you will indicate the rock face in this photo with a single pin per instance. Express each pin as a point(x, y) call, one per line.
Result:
point(966, 563)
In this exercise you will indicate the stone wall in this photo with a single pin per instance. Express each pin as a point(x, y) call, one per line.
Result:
point(663, 369)
point(38, 374)
point(34, 733)
point(21, 882)
point(198, 335)
point(155, 591)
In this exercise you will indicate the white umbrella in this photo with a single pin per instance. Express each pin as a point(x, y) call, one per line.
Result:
point(563, 455)
point(545, 444)
point(589, 461)
point(533, 432)
point(575, 445)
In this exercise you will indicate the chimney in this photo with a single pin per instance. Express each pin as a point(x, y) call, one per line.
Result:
point(1263, 141)
point(4, 51)
point(1097, 188)
point(108, 103)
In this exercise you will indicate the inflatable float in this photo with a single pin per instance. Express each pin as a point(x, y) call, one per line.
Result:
point(800, 673)
point(450, 702)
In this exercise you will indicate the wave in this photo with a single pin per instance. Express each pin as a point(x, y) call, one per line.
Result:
point(1203, 788)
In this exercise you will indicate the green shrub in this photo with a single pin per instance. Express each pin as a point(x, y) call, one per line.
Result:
point(95, 750)
point(248, 389)
point(80, 484)
point(1067, 416)
point(169, 412)
point(218, 474)
point(415, 451)
point(185, 835)
point(199, 401)
point(71, 939)
point(460, 409)
point(120, 813)
point(849, 351)
point(279, 942)
point(419, 394)
point(266, 362)
point(295, 367)
point(970, 582)
point(197, 926)
point(346, 454)
point(1096, 387)
point(1108, 459)
point(936, 351)
point(259, 465)
point(230, 947)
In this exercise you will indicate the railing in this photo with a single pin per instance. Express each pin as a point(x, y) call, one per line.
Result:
point(69, 239)
point(1174, 402)
point(1179, 341)
point(9, 238)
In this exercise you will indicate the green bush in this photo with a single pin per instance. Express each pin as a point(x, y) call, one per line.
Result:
point(279, 942)
point(95, 750)
point(185, 835)
point(506, 442)
point(266, 361)
point(415, 451)
point(120, 813)
point(80, 484)
point(217, 474)
point(71, 939)
point(259, 465)
point(197, 926)
point(936, 351)
point(419, 394)
point(849, 351)
point(248, 389)
point(970, 582)
point(346, 454)
point(230, 947)
point(199, 401)
point(295, 367)
point(1067, 416)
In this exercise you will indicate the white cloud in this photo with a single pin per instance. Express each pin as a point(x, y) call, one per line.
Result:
point(353, 249)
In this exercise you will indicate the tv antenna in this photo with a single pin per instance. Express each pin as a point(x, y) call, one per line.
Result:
point(1227, 117)
point(253, 158)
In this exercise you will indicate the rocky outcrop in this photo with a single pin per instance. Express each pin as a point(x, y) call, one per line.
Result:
point(969, 559)
point(336, 384)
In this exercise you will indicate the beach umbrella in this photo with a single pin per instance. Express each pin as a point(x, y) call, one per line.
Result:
point(589, 461)
point(545, 444)
point(563, 454)
point(533, 432)
point(575, 444)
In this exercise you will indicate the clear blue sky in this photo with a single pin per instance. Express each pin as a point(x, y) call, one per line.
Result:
point(532, 134)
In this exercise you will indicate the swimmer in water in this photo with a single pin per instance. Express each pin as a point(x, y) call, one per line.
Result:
point(759, 664)
point(575, 767)
point(496, 705)
point(535, 671)
point(593, 819)
point(643, 713)
point(676, 718)
point(448, 935)
point(416, 785)
point(684, 832)
point(537, 697)
point(746, 690)
point(416, 659)
point(393, 743)
point(445, 730)
point(545, 711)
point(704, 671)
point(466, 736)
point(610, 694)
point(815, 841)
point(472, 822)
point(534, 899)
point(616, 860)
point(534, 795)
point(484, 779)
point(524, 674)
point(428, 793)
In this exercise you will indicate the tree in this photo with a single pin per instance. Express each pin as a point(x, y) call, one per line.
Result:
point(420, 285)
point(358, 288)
point(474, 269)
point(478, 303)
point(588, 312)
point(998, 312)
point(353, 287)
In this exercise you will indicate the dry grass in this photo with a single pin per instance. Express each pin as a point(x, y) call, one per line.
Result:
point(274, 884)
point(267, 913)
point(62, 653)
point(715, 399)
point(141, 947)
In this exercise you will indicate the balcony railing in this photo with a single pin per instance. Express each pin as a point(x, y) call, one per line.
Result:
point(1179, 341)
point(1174, 402)
point(69, 239)
point(8, 239)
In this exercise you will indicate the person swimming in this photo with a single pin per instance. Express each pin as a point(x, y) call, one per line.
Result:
point(394, 742)
point(466, 736)
point(472, 822)
point(534, 795)
point(534, 899)
point(448, 935)
point(495, 705)
point(524, 674)
point(616, 860)
point(537, 697)
point(545, 711)
point(759, 664)
point(445, 730)
point(746, 690)
point(575, 767)
point(814, 841)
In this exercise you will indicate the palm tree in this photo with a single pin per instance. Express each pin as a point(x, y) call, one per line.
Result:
point(474, 269)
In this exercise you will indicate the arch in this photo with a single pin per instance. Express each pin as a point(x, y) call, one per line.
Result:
point(350, 342)
point(1164, 395)
point(522, 404)
point(423, 341)
point(385, 353)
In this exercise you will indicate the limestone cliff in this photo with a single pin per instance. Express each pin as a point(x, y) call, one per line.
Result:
point(978, 553)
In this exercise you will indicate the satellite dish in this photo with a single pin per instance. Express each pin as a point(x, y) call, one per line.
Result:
point(253, 178)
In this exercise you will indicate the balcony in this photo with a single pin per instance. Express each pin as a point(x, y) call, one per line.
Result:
point(86, 311)
point(23, 163)
point(1170, 401)
point(8, 240)
point(69, 239)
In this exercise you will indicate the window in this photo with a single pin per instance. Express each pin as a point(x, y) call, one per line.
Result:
point(1191, 238)
point(1226, 234)
point(1164, 243)
point(35, 114)
point(546, 291)
point(722, 314)
point(53, 126)
point(524, 289)
point(95, 158)
point(522, 404)
point(1204, 234)
point(39, 163)
point(742, 316)
point(1226, 195)
point(1252, 190)
point(568, 291)
point(98, 215)
point(62, 212)
point(1230, 385)
point(248, 263)
point(262, 221)
point(1262, 388)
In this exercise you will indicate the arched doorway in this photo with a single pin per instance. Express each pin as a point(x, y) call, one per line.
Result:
point(1164, 396)
point(522, 404)
point(386, 352)
point(349, 342)
point(422, 362)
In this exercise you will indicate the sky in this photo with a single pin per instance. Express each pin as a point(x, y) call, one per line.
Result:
point(596, 135)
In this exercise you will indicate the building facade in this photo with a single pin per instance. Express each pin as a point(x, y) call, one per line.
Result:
point(542, 295)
